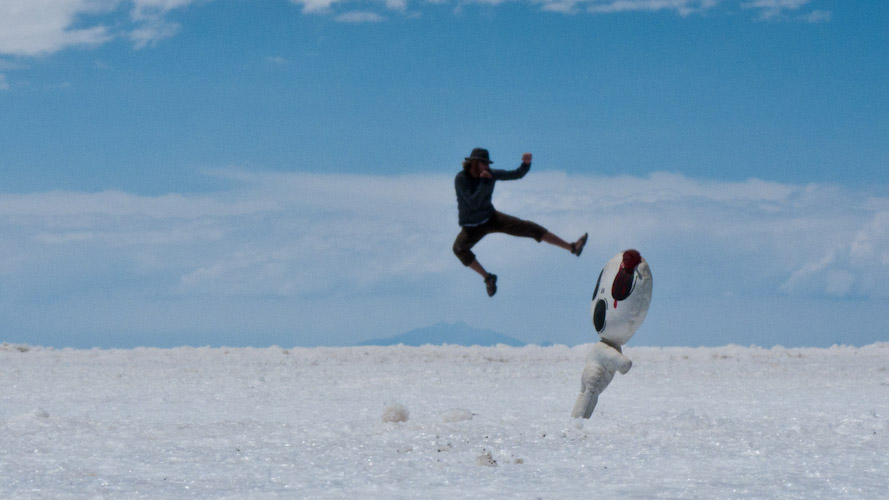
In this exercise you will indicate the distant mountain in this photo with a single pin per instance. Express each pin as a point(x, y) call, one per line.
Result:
point(448, 333)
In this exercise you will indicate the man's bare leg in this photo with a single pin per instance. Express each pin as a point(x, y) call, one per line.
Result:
point(490, 279)
point(574, 248)
point(475, 266)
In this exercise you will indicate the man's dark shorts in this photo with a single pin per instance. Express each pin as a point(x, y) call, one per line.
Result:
point(498, 223)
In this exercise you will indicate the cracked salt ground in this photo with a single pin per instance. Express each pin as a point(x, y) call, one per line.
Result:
point(442, 422)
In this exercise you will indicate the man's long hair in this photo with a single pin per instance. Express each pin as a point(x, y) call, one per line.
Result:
point(467, 165)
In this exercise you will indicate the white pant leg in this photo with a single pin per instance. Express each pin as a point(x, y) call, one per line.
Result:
point(585, 404)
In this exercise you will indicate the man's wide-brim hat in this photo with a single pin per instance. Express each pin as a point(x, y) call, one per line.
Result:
point(480, 154)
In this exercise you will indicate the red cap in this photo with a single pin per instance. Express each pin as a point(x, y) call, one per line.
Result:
point(631, 260)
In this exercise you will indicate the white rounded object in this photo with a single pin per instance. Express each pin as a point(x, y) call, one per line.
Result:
point(395, 413)
point(621, 297)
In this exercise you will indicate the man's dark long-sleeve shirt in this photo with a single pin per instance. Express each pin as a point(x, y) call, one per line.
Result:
point(474, 193)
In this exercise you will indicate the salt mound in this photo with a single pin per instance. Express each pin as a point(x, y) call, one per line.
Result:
point(457, 415)
point(395, 413)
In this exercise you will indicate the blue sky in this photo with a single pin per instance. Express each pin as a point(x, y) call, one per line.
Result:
point(254, 173)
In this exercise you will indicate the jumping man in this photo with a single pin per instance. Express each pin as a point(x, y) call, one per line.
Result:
point(478, 218)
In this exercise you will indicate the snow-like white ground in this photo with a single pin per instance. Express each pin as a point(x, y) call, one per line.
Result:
point(729, 422)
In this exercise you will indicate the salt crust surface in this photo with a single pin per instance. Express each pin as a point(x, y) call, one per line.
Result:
point(493, 422)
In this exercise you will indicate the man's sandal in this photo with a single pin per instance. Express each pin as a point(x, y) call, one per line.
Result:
point(491, 284)
point(577, 246)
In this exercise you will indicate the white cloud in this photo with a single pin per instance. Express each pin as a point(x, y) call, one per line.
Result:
point(151, 7)
point(40, 27)
point(301, 234)
point(315, 6)
point(302, 252)
point(57, 205)
point(682, 7)
point(398, 5)
point(151, 24)
point(150, 32)
point(36, 27)
point(360, 17)
point(777, 10)
point(561, 6)
point(775, 4)
point(818, 16)
point(763, 9)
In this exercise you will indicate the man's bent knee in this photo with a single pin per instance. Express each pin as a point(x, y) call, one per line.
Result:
point(464, 254)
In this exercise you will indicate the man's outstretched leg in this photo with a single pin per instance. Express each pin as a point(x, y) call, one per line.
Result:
point(574, 248)
point(528, 229)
